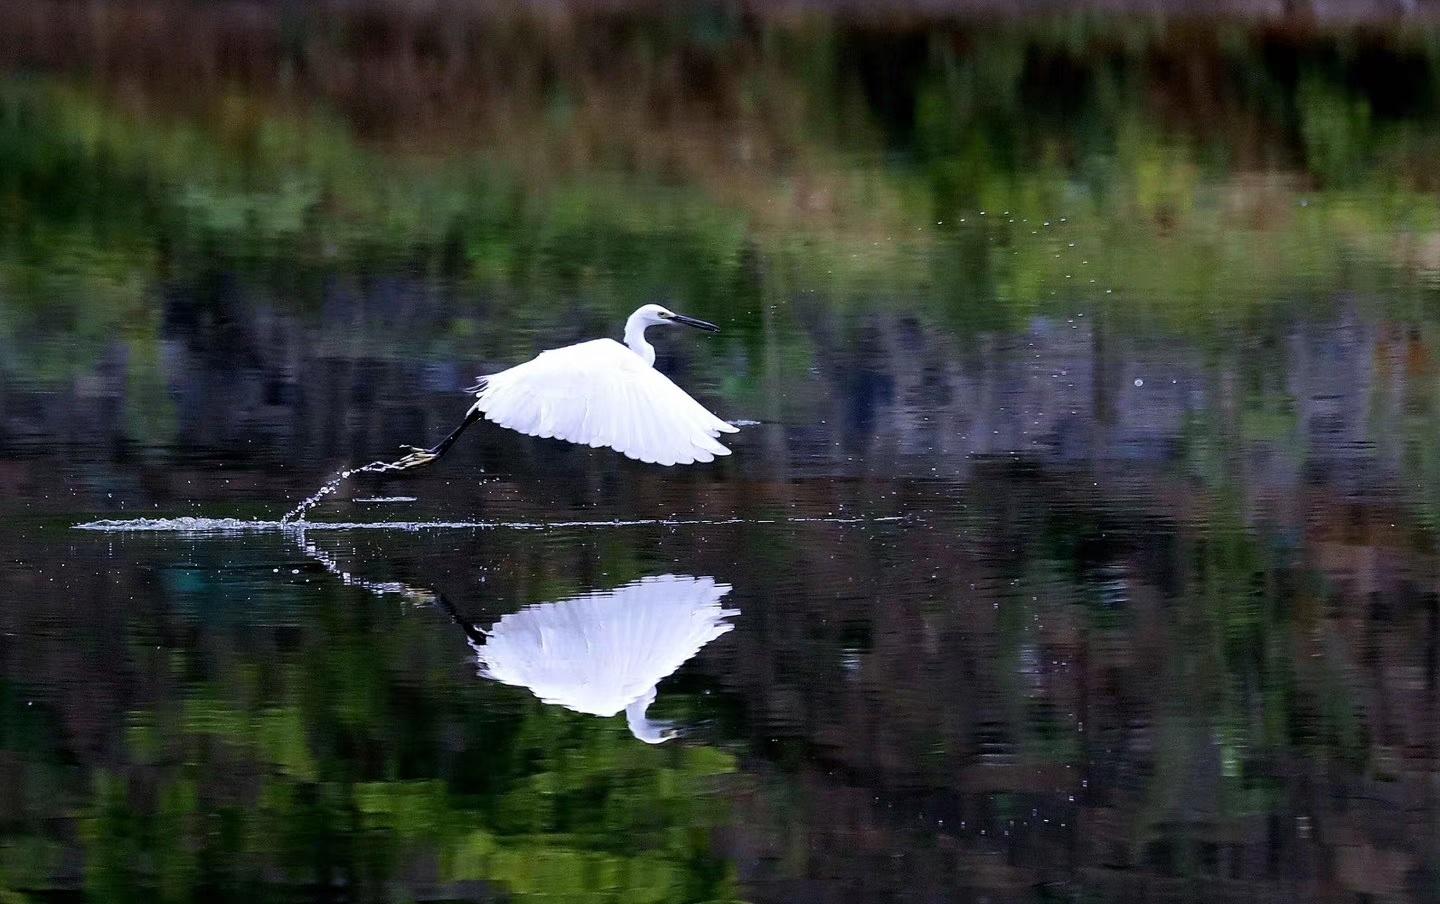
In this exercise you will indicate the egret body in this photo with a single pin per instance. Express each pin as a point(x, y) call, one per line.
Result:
point(600, 393)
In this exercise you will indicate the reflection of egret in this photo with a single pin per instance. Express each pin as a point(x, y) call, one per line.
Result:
point(605, 652)
point(599, 393)
point(599, 653)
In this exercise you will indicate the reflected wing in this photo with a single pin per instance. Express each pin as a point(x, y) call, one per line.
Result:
point(600, 652)
point(601, 394)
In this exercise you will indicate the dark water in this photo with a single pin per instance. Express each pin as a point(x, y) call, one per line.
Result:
point(1085, 550)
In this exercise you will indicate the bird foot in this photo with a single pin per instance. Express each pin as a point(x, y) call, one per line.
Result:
point(416, 458)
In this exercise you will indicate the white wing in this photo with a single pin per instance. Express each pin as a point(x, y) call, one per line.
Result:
point(601, 652)
point(600, 393)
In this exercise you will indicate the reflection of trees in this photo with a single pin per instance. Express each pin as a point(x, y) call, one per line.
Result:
point(347, 751)
point(1073, 683)
point(1197, 685)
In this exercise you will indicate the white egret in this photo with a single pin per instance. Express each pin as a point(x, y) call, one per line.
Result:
point(599, 393)
point(605, 652)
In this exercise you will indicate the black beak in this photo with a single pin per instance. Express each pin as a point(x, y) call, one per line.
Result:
point(691, 321)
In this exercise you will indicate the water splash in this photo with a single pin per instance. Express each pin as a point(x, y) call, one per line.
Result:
point(414, 459)
point(182, 525)
point(204, 526)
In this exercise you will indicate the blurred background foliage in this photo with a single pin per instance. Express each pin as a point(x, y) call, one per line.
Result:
point(725, 163)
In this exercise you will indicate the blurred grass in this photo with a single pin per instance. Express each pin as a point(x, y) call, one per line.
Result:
point(794, 178)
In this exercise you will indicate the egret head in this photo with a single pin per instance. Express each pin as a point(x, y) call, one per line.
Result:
point(658, 314)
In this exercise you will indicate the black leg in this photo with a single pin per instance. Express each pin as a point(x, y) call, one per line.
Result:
point(420, 456)
point(444, 445)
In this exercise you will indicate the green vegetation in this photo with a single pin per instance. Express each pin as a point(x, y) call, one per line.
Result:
point(844, 194)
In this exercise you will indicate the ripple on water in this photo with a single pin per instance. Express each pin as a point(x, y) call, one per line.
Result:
point(189, 525)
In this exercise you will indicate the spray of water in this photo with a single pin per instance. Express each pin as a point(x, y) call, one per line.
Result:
point(414, 459)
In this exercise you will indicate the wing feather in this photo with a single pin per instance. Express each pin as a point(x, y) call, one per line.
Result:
point(602, 394)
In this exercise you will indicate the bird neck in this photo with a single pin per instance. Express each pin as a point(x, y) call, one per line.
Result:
point(635, 338)
point(646, 729)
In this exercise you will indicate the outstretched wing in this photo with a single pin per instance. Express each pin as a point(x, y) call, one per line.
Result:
point(602, 394)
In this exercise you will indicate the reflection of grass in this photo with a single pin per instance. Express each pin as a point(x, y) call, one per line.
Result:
point(324, 762)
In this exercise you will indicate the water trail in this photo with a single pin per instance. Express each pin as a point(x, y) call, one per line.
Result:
point(205, 526)
point(414, 459)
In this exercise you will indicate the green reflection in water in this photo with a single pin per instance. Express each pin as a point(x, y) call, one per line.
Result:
point(360, 756)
